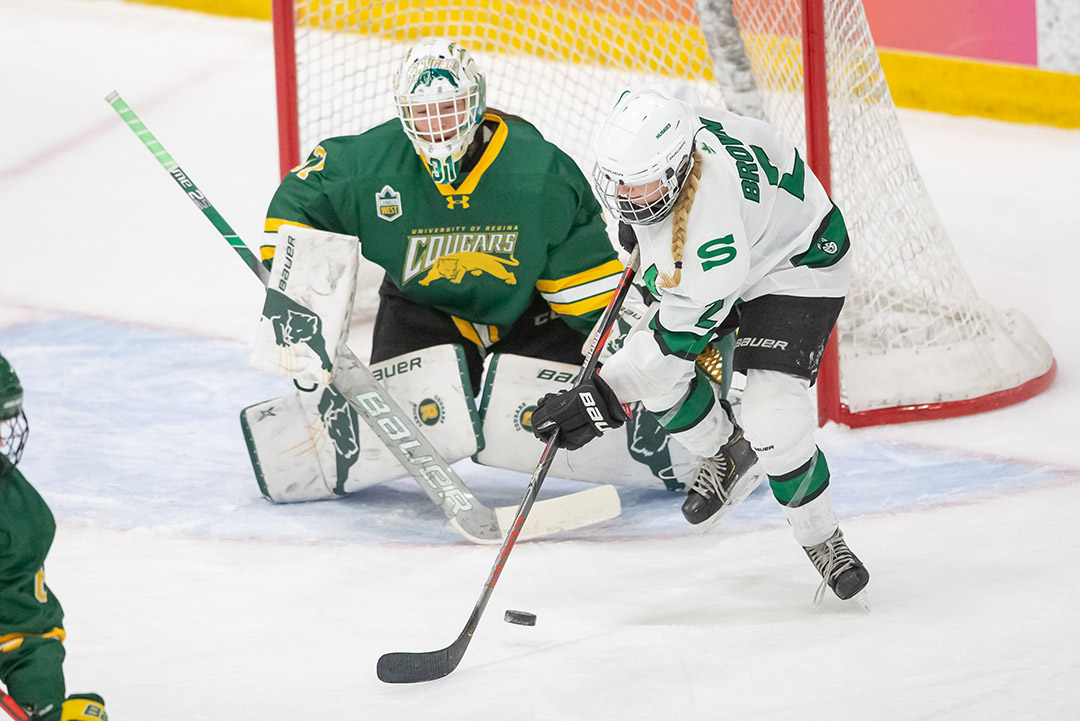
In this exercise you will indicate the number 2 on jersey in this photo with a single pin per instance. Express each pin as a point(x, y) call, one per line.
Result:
point(792, 182)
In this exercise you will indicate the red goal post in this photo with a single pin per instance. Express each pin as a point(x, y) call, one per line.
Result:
point(915, 340)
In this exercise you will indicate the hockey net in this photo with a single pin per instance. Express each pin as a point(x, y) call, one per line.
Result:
point(915, 339)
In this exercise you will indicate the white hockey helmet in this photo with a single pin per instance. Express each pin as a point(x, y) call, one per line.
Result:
point(644, 152)
point(439, 94)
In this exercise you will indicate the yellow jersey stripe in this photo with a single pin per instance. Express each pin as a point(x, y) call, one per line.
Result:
point(582, 307)
point(274, 224)
point(467, 331)
point(490, 153)
point(12, 641)
point(612, 267)
point(583, 291)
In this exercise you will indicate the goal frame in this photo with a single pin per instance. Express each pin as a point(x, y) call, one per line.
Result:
point(831, 406)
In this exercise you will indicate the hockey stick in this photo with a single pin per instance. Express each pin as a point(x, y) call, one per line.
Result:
point(406, 667)
point(475, 521)
point(12, 709)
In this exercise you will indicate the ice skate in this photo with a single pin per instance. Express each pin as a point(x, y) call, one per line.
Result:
point(840, 569)
point(724, 480)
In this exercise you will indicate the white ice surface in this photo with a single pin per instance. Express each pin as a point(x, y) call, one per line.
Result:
point(188, 596)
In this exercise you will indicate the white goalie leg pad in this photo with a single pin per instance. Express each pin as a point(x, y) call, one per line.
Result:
point(288, 446)
point(309, 298)
point(779, 420)
point(312, 445)
point(638, 454)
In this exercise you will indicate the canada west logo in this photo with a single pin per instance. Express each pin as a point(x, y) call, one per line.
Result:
point(456, 266)
point(294, 324)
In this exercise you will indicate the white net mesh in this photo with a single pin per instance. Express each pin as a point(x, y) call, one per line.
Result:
point(913, 331)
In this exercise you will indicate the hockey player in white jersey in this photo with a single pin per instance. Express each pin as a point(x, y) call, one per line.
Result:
point(735, 234)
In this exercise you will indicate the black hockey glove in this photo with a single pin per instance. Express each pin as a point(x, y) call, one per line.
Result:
point(627, 237)
point(580, 414)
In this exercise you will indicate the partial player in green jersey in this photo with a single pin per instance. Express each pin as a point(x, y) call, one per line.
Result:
point(489, 235)
point(31, 619)
point(735, 234)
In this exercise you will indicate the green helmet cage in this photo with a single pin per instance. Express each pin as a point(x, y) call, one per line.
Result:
point(13, 426)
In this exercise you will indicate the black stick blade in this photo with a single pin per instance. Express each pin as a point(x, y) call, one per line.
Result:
point(405, 667)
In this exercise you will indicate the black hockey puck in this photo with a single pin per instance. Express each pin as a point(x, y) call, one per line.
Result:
point(521, 618)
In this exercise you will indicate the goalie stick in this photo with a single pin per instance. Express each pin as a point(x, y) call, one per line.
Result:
point(475, 521)
point(408, 667)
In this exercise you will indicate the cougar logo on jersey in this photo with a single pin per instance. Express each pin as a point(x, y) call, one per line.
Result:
point(467, 249)
point(388, 204)
point(455, 267)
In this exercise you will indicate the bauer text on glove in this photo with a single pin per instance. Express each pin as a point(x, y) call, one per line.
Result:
point(580, 414)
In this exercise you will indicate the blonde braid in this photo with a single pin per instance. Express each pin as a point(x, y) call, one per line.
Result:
point(680, 217)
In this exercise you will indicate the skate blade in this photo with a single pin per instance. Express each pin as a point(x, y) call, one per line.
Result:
point(860, 600)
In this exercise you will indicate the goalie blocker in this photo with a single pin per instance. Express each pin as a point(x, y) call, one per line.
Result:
point(311, 446)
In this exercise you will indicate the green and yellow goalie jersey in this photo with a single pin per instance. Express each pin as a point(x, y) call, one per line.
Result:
point(522, 219)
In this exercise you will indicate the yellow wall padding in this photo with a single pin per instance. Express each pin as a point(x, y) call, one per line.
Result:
point(990, 90)
point(924, 82)
point(257, 9)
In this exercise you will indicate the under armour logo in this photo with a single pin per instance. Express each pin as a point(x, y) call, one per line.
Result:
point(462, 200)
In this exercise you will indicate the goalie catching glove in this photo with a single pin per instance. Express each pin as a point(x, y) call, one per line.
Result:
point(580, 414)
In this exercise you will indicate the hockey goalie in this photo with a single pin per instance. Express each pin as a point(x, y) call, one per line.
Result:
point(497, 264)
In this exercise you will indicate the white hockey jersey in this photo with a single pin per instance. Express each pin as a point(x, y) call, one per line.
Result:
point(760, 224)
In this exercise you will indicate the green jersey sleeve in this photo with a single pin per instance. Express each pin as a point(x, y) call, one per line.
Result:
point(582, 269)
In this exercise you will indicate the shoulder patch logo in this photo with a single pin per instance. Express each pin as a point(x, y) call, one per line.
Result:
point(388, 204)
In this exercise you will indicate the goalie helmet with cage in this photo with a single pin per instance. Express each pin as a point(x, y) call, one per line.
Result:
point(644, 153)
point(440, 99)
point(13, 426)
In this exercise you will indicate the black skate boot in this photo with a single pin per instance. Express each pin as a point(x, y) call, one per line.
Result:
point(723, 480)
point(839, 567)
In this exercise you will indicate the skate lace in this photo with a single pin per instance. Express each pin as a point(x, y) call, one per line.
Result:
point(831, 558)
point(711, 475)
